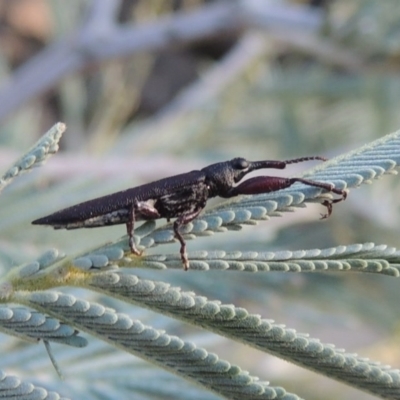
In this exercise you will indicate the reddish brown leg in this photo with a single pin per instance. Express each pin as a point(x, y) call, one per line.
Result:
point(330, 188)
point(146, 210)
point(267, 184)
point(182, 220)
point(329, 205)
point(323, 185)
point(130, 230)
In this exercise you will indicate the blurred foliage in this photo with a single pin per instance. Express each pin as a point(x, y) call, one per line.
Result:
point(155, 113)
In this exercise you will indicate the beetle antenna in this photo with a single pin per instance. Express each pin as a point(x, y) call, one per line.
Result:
point(298, 160)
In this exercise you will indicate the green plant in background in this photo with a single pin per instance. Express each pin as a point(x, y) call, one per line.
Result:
point(150, 90)
point(109, 270)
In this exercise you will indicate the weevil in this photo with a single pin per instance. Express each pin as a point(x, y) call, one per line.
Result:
point(182, 197)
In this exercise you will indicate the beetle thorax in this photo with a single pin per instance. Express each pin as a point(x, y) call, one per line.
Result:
point(220, 179)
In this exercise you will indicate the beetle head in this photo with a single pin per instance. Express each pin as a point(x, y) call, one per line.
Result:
point(222, 176)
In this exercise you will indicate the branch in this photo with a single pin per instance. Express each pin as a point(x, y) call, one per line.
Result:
point(46, 146)
point(101, 39)
point(12, 387)
point(89, 46)
point(170, 352)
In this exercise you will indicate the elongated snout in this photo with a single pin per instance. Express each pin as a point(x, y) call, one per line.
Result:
point(254, 165)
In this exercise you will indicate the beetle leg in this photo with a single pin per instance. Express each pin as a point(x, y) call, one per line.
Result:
point(267, 184)
point(130, 226)
point(323, 185)
point(183, 220)
point(330, 188)
point(147, 211)
point(184, 258)
point(329, 205)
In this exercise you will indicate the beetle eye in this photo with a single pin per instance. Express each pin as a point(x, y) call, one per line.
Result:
point(240, 163)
